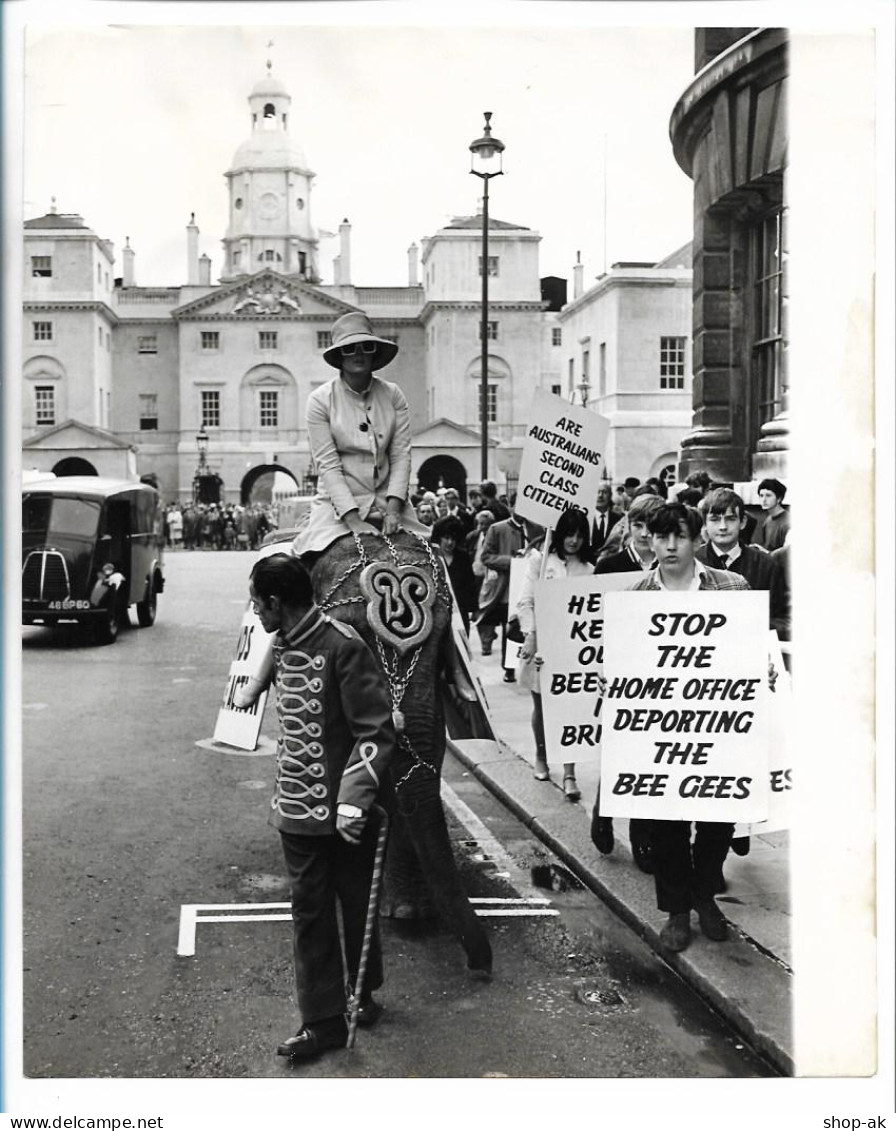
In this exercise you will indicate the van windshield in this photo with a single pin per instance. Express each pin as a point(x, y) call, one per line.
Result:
point(46, 519)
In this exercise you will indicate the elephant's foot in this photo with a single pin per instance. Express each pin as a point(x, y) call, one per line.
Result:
point(398, 907)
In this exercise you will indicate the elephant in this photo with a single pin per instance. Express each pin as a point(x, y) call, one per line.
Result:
point(394, 592)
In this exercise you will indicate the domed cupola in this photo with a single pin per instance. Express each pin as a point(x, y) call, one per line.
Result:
point(269, 184)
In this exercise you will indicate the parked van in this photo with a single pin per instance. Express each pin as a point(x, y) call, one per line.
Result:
point(91, 548)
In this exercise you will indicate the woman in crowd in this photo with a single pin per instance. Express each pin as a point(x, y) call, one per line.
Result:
point(448, 535)
point(568, 555)
point(360, 436)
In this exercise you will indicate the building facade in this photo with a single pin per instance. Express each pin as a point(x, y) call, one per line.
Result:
point(158, 372)
point(729, 134)
point(626, 348)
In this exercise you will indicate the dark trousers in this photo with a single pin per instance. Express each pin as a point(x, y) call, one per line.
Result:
point(321, 870)
point(686, 874)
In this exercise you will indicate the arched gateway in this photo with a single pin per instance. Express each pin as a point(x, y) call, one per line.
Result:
point(443, 471)
point(254, 487)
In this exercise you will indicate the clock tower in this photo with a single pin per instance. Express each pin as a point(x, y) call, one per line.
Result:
point(269, 185)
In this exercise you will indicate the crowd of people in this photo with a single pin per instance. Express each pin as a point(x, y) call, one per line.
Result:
point(696, 535)
point(213, 526)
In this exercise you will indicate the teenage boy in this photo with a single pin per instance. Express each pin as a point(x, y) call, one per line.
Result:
point(686, 875)
point(335, 742)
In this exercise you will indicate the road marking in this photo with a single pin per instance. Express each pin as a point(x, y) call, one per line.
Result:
point(192, 914)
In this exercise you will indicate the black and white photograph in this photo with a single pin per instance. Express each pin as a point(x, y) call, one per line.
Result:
point(448, 527)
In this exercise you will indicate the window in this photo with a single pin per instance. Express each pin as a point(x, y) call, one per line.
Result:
point(586, 364)
point(602, 376)
point(572, 374)
point(211, 339)
point(237, 256)
point(491, 331)
point(44, 405)
point(267, 339)
point(268, 416)
point(43, 331)
point(99, 273)
point(767, 347)
point(303, 263)
point(147, 344)
point(211, 408)
point(492, 266)
point(556, 336)
point(108, 340)
point(492, 404)
point(41, 266)
point(99, 334)
point(270, 257)
point(323, 339)
point(149, 412)
point(672, 363)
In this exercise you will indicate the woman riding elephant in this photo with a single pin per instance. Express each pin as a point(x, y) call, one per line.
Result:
point(360, 437)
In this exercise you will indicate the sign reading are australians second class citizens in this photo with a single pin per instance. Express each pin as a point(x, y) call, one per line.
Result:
point(562, 459)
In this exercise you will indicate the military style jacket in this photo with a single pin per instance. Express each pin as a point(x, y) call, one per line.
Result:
point(336, 731)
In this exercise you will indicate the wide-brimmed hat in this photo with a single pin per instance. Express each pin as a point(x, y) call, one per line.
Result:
point(355, 327)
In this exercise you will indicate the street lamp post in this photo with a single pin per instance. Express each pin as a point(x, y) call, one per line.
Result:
point(202, 470)
point(485, 163)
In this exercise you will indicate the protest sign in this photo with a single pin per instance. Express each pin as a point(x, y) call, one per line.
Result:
point(570, 629)
point(781, 747)
point(686, 710)
point(562, 459)
point(240, 726)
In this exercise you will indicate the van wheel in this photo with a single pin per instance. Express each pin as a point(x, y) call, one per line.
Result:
point(146, 610)
point(108, 625)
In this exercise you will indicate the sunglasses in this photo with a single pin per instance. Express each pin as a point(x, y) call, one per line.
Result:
point(364, 347)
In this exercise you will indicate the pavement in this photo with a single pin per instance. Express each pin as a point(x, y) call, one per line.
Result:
point(749, 978)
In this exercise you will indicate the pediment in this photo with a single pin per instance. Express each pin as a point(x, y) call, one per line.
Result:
point(445, 433)
point(267, 294)
point(71, 434)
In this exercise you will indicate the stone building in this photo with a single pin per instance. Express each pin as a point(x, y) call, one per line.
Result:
point(627, 354)
point(729, 134)
point(147, 375)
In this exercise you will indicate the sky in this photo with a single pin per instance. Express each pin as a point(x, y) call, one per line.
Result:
point(133, 127)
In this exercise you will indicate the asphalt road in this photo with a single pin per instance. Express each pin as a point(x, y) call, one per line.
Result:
point(127, 821)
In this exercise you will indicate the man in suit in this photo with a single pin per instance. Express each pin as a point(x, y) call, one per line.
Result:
point(686, 876)
point(605, 518)
point(455, 509)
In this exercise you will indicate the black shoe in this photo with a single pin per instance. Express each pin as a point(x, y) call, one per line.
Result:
point(312, 1040)
point(713, 923)
point(602, 833)
point(740, 846)
point(369, 1013)
point(676, 934)
point(509, 676)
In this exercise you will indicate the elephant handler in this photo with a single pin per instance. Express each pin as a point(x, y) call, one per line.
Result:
point(335, 743)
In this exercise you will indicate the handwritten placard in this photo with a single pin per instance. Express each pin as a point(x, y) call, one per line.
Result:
point(569, 619)
point(685, 732)
point(561, 461)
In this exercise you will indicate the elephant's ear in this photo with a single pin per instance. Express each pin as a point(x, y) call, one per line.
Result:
point(400, 601)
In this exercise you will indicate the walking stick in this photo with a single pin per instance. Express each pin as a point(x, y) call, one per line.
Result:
point(372, 905)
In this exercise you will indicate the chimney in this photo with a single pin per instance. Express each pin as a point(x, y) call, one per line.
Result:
point(412, 265)
point(345, 254)
point(192, 251)
point(578, 273)
point(127, 269)
point(205, 271)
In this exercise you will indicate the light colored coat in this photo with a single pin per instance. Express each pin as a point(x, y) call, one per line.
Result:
point(361, 447)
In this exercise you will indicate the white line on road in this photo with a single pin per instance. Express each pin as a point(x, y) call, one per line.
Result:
point(191, 914)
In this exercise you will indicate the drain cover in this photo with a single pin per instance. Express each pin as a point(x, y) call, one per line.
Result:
point(607, 997)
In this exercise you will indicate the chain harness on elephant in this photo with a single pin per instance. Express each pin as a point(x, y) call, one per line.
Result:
point(399, 597)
